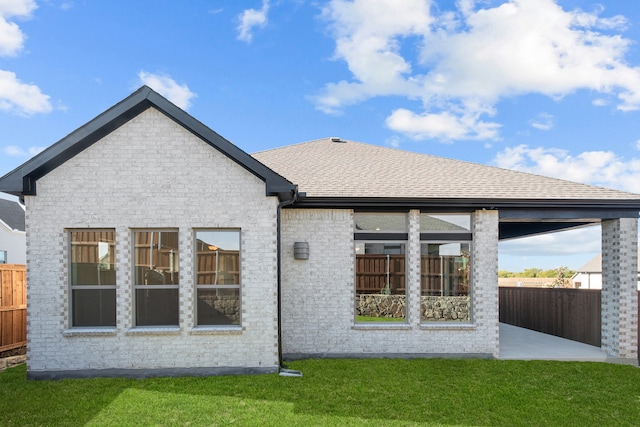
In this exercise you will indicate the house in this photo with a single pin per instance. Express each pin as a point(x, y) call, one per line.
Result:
point(589, 276)
point(157, 247)
point(13, 249)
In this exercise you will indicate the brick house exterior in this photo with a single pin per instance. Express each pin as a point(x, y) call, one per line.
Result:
point(145, 169)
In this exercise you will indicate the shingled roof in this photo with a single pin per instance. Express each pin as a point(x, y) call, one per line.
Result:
point(595, 265)
point(12, 214)
point(347, 169)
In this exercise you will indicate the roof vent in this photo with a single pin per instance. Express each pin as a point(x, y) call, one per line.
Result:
point(337, 139)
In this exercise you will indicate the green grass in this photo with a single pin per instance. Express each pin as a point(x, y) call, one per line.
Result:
point(371, 392)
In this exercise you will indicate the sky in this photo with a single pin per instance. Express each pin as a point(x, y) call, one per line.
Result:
point(550, 87)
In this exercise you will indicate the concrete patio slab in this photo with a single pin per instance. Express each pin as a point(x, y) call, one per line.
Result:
point(524, 344)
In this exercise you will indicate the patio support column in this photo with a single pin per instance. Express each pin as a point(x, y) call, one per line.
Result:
point(619, 288)
point(414, 288)
point(485, 277)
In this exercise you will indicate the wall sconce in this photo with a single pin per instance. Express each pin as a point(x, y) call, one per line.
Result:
point(301, 250)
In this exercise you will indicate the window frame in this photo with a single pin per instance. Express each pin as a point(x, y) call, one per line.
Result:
point(198, 286)
point(76, 287)
point(463, 237)
point(3, 258)
point(136, 287)
point(385, 237)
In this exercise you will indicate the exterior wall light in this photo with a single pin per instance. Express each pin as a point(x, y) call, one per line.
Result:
point(301, 250)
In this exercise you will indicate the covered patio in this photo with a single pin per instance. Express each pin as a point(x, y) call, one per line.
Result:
point(524, 344)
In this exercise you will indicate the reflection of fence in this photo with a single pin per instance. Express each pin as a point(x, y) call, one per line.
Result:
point(13, 306)
point(379, 273)
point(444, 275)
point(569, 313)
point(218, 267)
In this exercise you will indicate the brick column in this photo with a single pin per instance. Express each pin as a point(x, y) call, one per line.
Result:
point(619, 288)
point(485, 276)
point(414, 291)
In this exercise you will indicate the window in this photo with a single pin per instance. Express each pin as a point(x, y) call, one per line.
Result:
point(445, 267)
point(380, 257)
point(156, 275)
point(3, 257)
point(217, 277)
point(93, 278)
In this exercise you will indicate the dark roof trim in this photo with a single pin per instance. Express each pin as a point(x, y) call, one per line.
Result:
point(22, 180)
point(517, 208)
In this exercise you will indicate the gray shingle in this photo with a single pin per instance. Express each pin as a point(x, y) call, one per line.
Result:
point(595, 265)
point(12, 214)
point(323, 168)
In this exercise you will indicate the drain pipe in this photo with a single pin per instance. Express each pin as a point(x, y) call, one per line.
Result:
point(282, 369)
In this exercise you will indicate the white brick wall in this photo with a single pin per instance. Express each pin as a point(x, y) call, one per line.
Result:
point(318, 294)
point(150, 172)
point(619, 288)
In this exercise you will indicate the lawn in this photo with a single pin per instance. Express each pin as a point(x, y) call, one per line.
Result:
point(371, 392)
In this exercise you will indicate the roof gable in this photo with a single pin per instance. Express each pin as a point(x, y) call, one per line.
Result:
point(22, 180)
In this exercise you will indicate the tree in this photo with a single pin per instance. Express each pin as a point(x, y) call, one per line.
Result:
point(561, 280)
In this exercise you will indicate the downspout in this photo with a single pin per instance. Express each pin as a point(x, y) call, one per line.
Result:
point(282, 369)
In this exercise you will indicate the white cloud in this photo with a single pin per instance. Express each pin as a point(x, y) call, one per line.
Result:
point(15, 151)
point(544, 121)
point(167, 87)
point(11, 37)
point(461, 63)
point(15, 96)
point(568, 242)
point(602, 168)
point(443, 125)
point(21, 98)
point(251, 18)
point(368, 38)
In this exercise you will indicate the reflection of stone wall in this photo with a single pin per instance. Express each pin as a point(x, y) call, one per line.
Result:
point(375, 305)
point(445, 309)
point(432, 308)
point(226, 305)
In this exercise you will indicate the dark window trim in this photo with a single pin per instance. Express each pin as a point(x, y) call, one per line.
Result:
point(78, 287)
point(447, 236)
point(381, 236)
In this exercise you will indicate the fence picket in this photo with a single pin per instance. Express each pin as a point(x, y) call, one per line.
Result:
point(568, 313)
point(13, 306)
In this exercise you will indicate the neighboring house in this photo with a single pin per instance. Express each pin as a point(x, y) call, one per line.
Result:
point(157, 247)
point(589, 276)
point(13, 246)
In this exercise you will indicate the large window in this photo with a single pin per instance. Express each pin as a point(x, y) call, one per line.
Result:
point(217, 277)
point(3, 257)
point(445, 267)
point(93, 278)
point(156, 275)
point(380, 257)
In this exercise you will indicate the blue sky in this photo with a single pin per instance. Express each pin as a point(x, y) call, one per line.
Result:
point(543, 86)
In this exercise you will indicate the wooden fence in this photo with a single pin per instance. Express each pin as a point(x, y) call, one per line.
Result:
point(13, 306)
point(375, 273)
point(569, 313)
